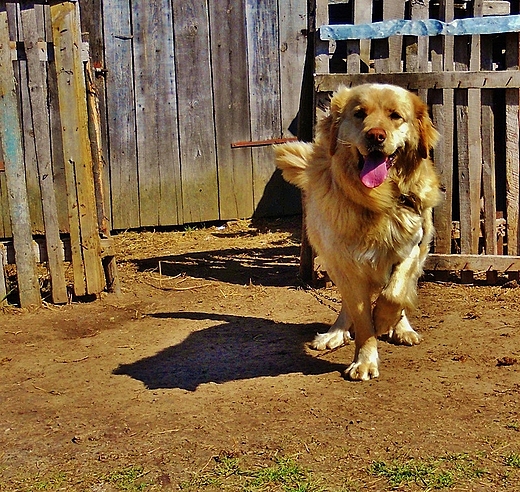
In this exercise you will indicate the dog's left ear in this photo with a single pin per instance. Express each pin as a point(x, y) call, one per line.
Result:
point(428, 135)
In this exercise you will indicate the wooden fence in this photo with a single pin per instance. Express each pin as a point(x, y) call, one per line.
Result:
point(50, 184)
point(471, 83)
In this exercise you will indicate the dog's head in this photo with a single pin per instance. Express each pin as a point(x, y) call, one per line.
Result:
point(384, 124)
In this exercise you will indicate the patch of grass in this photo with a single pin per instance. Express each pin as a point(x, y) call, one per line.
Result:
point(432, 473)
point(51, 483)
point(227, 474)
point(514, 425)
point(129, 478)
point(512, 460)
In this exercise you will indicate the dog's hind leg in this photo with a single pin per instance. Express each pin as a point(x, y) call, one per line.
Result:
point(338, 334)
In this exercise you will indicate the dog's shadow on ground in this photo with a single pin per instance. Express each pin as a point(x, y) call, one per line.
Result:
point(274, 266)
point(238, 348)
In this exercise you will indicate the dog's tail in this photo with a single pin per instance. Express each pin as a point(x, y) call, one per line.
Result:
point(292, 158)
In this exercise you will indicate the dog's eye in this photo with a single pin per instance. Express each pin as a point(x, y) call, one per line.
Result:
point(395, 115)
point(360, 113)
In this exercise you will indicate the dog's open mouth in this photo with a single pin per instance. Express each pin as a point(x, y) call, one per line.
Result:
point(374, 168)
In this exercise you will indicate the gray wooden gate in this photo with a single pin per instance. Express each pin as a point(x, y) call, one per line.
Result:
point(182, 82)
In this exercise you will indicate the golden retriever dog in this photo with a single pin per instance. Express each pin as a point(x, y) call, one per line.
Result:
point(368, 187)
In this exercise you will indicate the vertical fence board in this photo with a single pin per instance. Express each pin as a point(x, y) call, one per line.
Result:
point(11, 141)
point(232, 117)
point(271, 194)
point(122, 152)
point(37, 91)
point(156, 114)
point(292, 16)
point(512, 150)
point(443, 115)
point(76, 147)
point(5, 223)
point(196, 123)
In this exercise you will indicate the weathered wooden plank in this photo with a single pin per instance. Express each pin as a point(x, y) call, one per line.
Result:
point(271, 194)
point(5, 223)
point(11, 142)
point(76, 147)
point(122, 150)
point(512, 149)
point(474, 144)
point(442, 105)
point(292, 21)
point(475, 263)
point(3, 284)
point(423, 80)
point(387, 52)
point(488, 172)
point(156, 114)
point(488, 154)
point(320, 10)
point(37, 91)
point(416, 48)
point(196, 133)
point(232, 117)
point(92, 29)
point(358, 52)
point(28, 130)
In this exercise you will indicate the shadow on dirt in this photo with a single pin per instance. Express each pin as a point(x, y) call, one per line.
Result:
point(239, 348)
point(262, 266)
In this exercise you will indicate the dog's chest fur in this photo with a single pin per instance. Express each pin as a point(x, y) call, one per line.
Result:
point(377, 240)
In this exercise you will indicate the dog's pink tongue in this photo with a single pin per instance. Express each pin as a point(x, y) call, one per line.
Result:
point(375, 169)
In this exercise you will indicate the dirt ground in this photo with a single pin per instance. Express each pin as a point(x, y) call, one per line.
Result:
point(199, 377)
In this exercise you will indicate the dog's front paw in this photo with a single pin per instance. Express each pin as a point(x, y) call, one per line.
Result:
point(362, 371)
point(404, 334)
point(330, 340)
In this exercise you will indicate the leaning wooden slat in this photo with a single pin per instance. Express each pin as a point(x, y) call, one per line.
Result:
point(11, 141)
point(76, 144)
point(37, 75)
point(98, 163)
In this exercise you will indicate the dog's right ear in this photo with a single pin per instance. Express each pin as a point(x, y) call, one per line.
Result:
point(292, 159)
point(333, 120)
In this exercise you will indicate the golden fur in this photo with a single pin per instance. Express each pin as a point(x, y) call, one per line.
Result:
point(373, 236)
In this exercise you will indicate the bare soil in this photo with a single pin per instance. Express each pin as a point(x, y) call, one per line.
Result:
point(204, 358)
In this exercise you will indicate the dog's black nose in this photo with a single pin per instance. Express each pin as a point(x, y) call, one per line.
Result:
point(376, 135)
